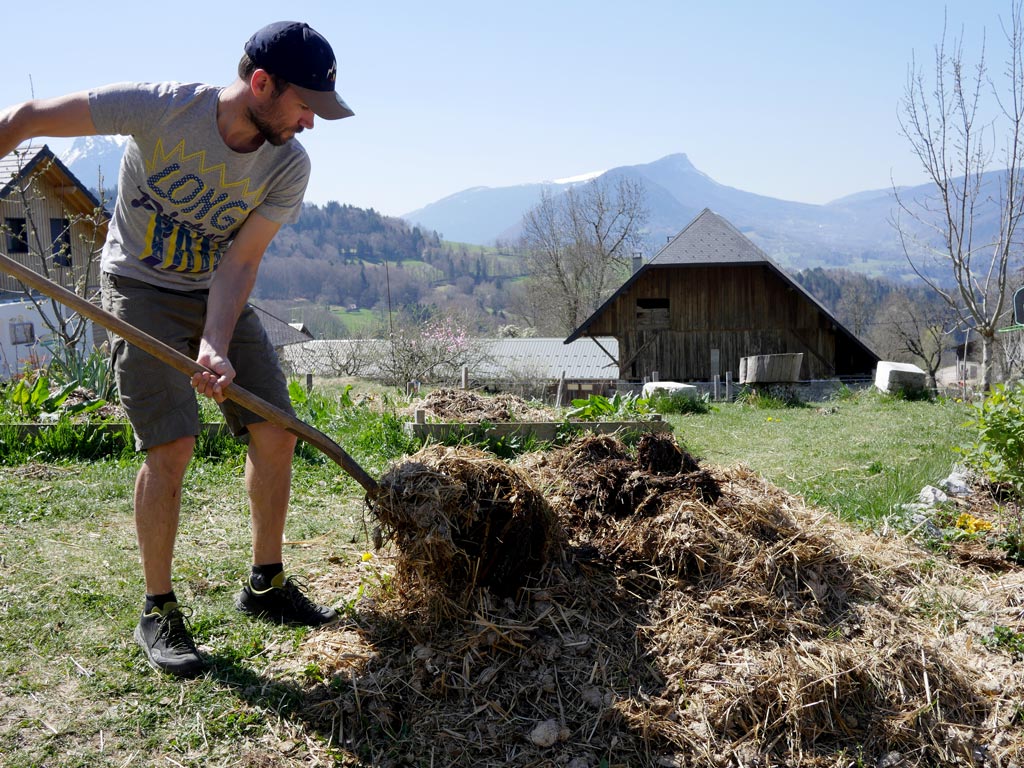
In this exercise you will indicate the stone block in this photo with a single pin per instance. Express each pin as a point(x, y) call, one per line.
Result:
point(771, 369)
point(895, 377)
point(669, 388)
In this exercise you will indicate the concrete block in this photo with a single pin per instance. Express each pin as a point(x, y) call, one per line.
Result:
point(669, 388)
point(892, 377)
point(771, 369)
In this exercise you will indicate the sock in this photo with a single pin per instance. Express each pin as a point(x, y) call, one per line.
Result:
point(158, 601)
point(263, 575)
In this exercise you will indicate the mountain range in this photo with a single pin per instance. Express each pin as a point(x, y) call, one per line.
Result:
point(854, 232)
point(94, 159)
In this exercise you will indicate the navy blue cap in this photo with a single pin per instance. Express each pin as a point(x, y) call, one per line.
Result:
point(296, 52)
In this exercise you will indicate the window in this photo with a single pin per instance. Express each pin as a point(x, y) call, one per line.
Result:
point(651, 314)
point(16, 235)
point(22, 332)
point(60, 239)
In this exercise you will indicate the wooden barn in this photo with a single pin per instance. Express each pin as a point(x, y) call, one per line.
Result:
point(711, 297)
point(49, 221)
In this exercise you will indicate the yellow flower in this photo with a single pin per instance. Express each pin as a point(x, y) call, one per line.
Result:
point(971, 524)
point(367, 556)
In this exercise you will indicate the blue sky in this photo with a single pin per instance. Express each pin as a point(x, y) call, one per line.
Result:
point(796, 99)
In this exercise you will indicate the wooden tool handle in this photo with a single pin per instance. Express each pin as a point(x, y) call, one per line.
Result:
point(188, 366)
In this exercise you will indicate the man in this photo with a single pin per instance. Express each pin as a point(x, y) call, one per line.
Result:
point(209, 176)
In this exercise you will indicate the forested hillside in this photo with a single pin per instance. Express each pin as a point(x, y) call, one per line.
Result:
point(340, 259)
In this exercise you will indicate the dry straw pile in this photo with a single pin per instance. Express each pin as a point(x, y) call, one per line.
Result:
point(466, 406)
point(641, 610)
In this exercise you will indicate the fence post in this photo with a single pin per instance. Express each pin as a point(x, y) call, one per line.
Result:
point(728, 386)
point(465, 377)
point(309, 382)
point(560, 392)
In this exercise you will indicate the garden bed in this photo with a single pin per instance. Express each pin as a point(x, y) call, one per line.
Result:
point(545, 431)
point(450, 414)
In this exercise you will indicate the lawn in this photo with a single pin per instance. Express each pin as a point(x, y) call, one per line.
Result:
point(75, 691)
point(857, 456)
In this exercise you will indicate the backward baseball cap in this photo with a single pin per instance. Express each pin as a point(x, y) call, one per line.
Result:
point(296, 52)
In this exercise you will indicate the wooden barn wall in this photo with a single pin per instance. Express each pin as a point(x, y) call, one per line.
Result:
point(43, 208)
point(736, 310)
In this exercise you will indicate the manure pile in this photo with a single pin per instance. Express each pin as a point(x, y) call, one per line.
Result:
point(643, 610)
point(462, 405)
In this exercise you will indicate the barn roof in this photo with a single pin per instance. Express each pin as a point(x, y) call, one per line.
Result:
point(24, 163)
point(710, 240)
point(280, 332)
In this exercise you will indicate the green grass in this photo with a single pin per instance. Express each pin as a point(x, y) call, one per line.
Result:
point(361, 322)
point(858, 457)
point(74, 689)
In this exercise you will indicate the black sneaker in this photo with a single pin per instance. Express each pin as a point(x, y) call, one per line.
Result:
point(164, 635)
point(284, 601)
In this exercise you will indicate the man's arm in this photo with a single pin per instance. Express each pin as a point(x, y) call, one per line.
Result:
point(62, 116)
point(230, 289)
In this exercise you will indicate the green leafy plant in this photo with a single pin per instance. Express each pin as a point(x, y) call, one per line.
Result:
point(1011, 538)
point(618, 406)
point(309, 405)
point(1006, 639)
point(482, 436)
point(34, 397)
point(998, 451)
point(91, 372)
point(373, 436)
point(82, 442)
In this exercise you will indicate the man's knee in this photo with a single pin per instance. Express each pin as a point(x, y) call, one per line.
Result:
point(171, 458)
point(271, 440)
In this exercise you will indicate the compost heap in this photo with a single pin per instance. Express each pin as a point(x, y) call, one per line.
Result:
point(462, 405)
point(667, 615)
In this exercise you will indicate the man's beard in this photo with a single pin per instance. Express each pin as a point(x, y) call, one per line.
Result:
point(271, 134)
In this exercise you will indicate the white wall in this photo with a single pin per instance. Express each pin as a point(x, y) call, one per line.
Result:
point(15, 358)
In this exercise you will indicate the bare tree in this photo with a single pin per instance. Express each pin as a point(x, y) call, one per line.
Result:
point(920, 329)
point(429, 347)
point(944, 236)
point(578, 247)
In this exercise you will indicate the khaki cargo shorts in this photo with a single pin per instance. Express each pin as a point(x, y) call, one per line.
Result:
point(159, 401)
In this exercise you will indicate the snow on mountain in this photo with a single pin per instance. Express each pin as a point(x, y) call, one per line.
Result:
point(93, 157)
point(579, 179)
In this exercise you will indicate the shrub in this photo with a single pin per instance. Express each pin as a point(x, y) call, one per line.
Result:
point(680, 402)
point(998, 451)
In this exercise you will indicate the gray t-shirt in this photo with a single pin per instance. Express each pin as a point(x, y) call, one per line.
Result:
point(182, 192)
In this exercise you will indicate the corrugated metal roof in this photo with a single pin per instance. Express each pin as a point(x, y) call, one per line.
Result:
point(550, 357)
point(541, 358)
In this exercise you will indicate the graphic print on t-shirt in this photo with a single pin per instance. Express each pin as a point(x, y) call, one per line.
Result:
point(194, 210)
